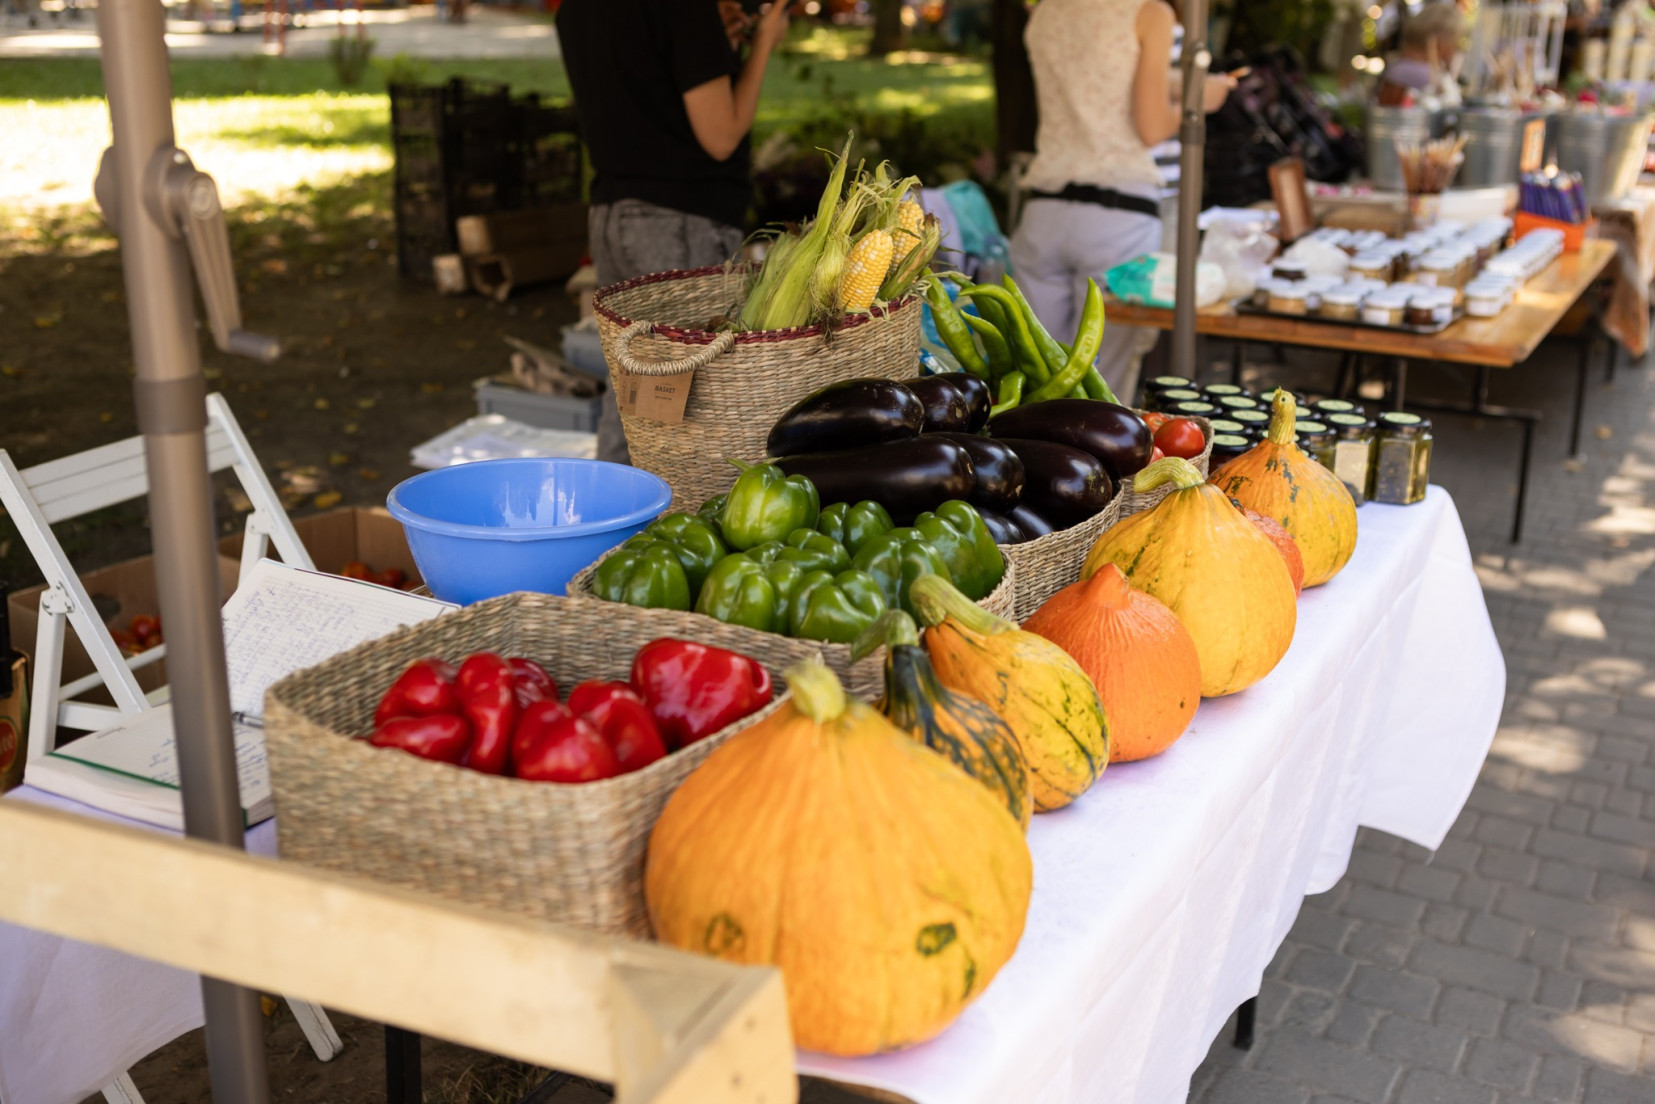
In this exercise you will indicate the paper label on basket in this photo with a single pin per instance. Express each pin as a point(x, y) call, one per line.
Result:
point(657, 398)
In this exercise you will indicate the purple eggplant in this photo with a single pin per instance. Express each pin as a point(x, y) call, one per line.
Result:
point(1062, 484)
point(1002, 528)
point(999, 471)
point(848, 415)
point(1116, 436)
point(977, 397)
point(1029, 523)
point(945, 406)
point(906, 477)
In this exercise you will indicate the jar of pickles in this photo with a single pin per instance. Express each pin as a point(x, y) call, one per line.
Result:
point(1193, 408)
point(1316, 439)
point(1402, 458)
point(1158, 386)
point(1235, 402)
point(1253, 419)
point(1221, 424)
point(1226, 447)
point(1334, 406)
point(1353, 442)
point(1172, 396)
point(1216, 390)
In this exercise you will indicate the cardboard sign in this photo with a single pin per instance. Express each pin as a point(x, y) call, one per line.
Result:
point(656, 398)
point(1534, 146)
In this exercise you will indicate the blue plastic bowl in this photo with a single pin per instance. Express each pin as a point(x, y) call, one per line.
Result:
point(492, 527)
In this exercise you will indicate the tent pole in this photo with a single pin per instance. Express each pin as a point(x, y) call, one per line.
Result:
point(1192, 134)
point(170, 394)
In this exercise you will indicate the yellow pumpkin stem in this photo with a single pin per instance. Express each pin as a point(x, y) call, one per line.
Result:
point(1169, 469)
point(816, 690)
point(935, 598)
point(1283, 411)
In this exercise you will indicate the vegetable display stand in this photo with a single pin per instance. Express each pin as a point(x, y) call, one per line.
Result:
point(570, 853)
point(1043, 566)
point(1135, 502)
point(865, 678)
point(655, 326)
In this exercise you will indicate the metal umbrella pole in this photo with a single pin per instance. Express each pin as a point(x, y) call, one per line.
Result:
point(1192, 136)
point(167, 215)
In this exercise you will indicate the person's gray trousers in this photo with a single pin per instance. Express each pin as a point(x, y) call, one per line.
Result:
point(633, 238)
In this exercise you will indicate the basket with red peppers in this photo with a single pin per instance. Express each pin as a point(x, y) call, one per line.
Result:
point(503, 716)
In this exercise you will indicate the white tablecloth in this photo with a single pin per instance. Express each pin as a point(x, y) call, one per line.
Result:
point(1159, 897)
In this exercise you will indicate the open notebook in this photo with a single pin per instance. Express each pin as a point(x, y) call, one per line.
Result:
point(279, 620)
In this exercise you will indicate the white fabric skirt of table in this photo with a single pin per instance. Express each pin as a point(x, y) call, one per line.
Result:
point(1159, 897)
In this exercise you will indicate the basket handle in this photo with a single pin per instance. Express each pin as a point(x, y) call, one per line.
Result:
point(700, 359)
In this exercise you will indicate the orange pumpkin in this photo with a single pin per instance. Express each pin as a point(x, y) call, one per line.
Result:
point(1139, 655)
point(1280, 480)
point(1284, 542)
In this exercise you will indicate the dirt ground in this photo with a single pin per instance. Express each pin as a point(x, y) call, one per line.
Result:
point(372, 365)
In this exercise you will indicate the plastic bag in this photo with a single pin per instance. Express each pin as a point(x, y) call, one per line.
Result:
point(1240, 250)
point(1152, 279)
point(1318, 257)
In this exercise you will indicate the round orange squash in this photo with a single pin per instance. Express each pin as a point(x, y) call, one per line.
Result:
point(886, 884)
point(1283, 541)
point(1212, 567)
point(1280, 480)
point(1141, 659)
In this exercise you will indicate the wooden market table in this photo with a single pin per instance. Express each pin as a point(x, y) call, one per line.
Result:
point(1506, 340)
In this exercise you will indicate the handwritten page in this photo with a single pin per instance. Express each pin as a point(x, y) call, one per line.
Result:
point(282, 619)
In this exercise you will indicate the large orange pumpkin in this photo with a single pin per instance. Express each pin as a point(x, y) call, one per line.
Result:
point(1283, 541)
point(1280, 480)
point(1210, 566)
point(887, 885)
point(1141, 659)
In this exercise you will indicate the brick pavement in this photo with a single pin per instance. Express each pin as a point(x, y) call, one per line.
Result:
point(1517, 963)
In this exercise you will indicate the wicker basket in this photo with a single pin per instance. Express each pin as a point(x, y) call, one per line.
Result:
point(1047, 564)
point(1136, 503)
point(568, 853)
point(743, 382)
point(864, 678)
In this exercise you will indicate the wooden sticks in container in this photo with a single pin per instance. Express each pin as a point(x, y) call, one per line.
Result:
point(1429, 167)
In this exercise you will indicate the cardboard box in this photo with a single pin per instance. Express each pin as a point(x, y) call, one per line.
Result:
point(119, 593)
point(368, 535)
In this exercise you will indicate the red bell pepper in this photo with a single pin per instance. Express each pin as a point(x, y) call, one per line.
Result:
point(551, 744)
point(531, 682)
point(441, 736)
point(426, 688)
point(622, 718)
point(488, 698)
point(694, 690)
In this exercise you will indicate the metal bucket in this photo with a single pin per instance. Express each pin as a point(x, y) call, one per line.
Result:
point(1386, 127)
point(1493, 147)
point(1606, 150)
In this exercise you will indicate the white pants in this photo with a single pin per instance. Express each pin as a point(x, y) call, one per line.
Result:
point(1059, 244)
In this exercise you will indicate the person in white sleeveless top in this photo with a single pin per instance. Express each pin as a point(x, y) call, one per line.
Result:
point(1104, 84)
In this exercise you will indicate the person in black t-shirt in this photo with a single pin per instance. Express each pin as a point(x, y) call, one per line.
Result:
point(665, 106)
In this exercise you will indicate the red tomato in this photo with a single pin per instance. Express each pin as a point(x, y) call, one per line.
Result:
point(144, 625)
point(1180, 437)
point(393, 577)
point(1155, 421)
point(1156, 455)
point(356, 569)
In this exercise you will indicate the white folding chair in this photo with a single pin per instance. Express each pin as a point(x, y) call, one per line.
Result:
point(37, 498)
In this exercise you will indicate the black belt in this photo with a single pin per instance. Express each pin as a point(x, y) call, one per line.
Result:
point(1103, 197)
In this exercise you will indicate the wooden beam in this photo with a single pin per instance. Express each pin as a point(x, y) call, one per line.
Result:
point(666, 1027)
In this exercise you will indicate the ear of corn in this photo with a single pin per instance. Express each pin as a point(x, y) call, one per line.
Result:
point(904, 273)
point(865, 270)
point(910, 224)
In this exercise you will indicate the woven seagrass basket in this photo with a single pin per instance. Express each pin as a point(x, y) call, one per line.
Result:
point(567, 853)
point(655, 326)
point(864, 678)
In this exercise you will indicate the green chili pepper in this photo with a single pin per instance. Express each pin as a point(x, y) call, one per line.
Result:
point(1009, 395)
point(1088, 336)
point(1000, 360)
point(854, 525)
point(1051, 350)
point(895, 560)
point(1016, 328)
point(648, 574)
point(695, 540)
point(815, 551)
point(836, 608)
point(767, 504)
point(956, 530)
point(954, 332)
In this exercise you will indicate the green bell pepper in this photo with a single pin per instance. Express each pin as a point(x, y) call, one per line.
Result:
point(766, 505)
point(645, 574)
point(712, 509)
point(956, 530)
point(696, 541)
point(741, 590)
point(814, 551)
point(854, 525)
point(895, 560)
point(835, 608)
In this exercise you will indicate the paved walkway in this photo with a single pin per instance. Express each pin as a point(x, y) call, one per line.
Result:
point(412, 31)
point(1517, 963)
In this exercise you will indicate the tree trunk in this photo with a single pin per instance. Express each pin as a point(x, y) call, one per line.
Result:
point(1016, 111)
point(888, 32)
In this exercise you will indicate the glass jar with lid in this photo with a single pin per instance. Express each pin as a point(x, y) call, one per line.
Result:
point(1436, 269)
point(1171, 397)
point(1193, 408)
point(1291, 298)
point(1334, 406)
point(1159, 385)
point(1402, 458)
point(1221, 424)
point(1342, 304)
point(1316, 439)
point(1226, 447)
point(1371, 266)
point(1353, 441)
point(1214, 390)
point(1252, 418)
point(1236, 402)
